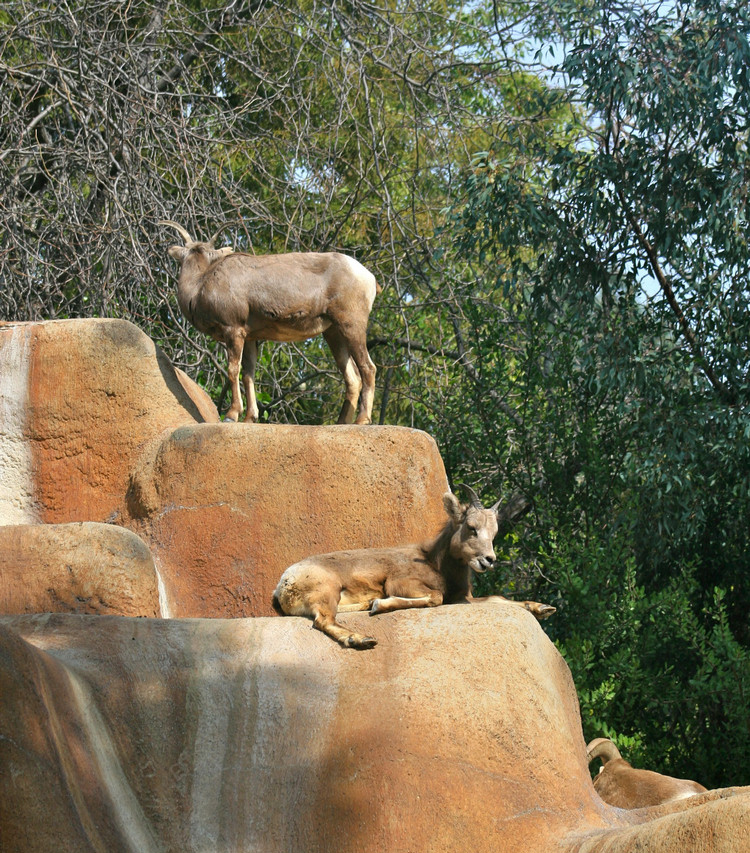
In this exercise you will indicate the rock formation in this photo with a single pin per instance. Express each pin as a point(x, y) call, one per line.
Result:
point(121, 493)
point(82, 567)
point(96, 425)
point(79, 402)
point(459, 731)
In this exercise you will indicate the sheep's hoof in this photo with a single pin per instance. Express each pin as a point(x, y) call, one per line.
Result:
point(358, 642)
point(228, 420)
point(543, 611)
point(375, 608)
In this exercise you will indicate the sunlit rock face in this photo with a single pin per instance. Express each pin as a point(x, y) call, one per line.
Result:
point(96, 425)
point(81, 567)
point(459, 731)
point(227, 507)
point(80, 400)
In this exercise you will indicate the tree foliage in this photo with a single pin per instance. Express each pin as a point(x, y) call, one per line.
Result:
point(621, 248)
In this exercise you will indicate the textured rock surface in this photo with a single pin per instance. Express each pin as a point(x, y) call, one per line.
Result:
point(79, 402)
point(96, 425)
point(82, 567)
point(716, 822)
point(459, 731)
point(227, 507)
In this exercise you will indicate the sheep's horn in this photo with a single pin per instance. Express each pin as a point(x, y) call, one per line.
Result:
point(216, 235)
point(494, 507)
point(475, 502)
point(603, 748)
point(185, 235)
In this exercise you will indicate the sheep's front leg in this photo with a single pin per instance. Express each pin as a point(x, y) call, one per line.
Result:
point(234, 345)
point(404, 595)
point(541, 611)
point(249, 360)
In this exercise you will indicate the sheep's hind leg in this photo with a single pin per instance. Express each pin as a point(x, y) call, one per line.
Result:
point(366, 368)
point(325, 620)
point(348, 370)
point(356, 607)
point(404, 596)
point(308, 590)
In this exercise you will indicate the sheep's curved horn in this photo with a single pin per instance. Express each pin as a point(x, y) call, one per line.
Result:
point(602, 747)
point(474, 497)
point(185, 235)
point(216, 235)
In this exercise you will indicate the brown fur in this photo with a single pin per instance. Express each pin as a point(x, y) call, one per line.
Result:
point(621, 785)
point(385, 579)
point(239, 299)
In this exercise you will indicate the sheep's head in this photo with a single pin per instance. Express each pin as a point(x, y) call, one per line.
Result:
point(475, 530)
point(207, 249)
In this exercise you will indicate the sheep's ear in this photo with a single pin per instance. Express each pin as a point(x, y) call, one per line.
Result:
point(179, 253)
point(453, 506)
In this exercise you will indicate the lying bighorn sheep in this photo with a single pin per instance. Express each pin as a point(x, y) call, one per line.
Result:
point(384, 579)
point(621, 785)
point(239, 299)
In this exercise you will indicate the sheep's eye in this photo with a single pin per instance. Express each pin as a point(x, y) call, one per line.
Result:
point(472, 530)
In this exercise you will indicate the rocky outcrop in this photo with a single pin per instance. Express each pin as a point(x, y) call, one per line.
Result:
point(227, 507)
point(80, 400)
point(716, 822)
point(459, 731)
point(83, 567)
point(96, 425)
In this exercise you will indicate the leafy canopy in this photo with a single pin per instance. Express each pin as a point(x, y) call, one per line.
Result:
point(617, 251)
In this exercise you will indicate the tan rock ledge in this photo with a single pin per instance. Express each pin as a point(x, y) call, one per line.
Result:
point(225, 508)
point(460, 731)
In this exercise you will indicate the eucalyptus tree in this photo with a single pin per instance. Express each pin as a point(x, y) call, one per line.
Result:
point(616, 252)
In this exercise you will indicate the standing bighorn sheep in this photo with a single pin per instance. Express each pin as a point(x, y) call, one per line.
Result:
point(239, 299)
point(384, 579)
point(620, 784)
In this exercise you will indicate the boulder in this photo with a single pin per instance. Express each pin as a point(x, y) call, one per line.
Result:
point(82, 567)
point(226, 508)
point(716, 822)
point(79, 402)
point(96, 425)
point(459, 731)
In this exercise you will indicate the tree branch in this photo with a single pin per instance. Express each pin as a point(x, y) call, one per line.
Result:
point(727, 394)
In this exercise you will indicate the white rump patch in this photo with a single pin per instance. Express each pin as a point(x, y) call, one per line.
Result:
point(364, 275)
